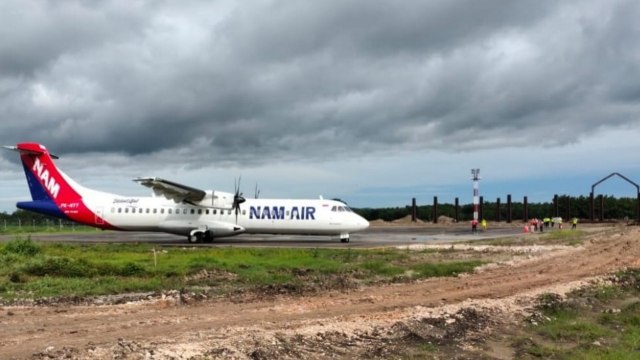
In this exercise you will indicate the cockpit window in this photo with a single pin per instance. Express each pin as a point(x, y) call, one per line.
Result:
point(346, 208)
point(341, 208)
point(334, 209)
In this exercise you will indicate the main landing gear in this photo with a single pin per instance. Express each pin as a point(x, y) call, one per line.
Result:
point(199, 237)
point(344, 238)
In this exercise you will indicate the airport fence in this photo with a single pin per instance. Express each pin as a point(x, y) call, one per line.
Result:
point(10, 226)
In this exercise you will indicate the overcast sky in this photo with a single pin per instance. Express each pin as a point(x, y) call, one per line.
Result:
point(370, 101)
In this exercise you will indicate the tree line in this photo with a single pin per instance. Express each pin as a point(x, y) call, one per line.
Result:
point(568, 207)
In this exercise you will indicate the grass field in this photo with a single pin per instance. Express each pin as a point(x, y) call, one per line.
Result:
point(549, 237)
point(598, 322)
point(35, 270)
point(29, 228)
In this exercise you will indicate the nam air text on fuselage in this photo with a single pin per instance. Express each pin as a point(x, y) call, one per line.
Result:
point(281, 213)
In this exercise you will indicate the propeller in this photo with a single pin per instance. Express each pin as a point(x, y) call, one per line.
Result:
point(237, 197)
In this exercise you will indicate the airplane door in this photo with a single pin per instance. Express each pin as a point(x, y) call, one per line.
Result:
point(333, 217)
point(100, 216)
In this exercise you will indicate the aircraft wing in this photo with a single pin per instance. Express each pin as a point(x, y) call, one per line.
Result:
point(171, 190)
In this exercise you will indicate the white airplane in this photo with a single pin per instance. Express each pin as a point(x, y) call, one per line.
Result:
point(177, 209)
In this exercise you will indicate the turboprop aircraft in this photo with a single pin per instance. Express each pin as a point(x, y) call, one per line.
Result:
point(200, 215)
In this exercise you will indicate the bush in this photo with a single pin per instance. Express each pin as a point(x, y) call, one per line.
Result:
point(551, 303)
point(24, 247)
point(131, 269)
point(59, 266)
point(15, 277)
point(128, 269)
point(628, 279)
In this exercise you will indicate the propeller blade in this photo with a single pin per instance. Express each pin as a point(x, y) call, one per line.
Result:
point(237, 197)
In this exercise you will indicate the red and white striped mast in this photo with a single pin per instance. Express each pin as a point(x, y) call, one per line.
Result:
point(476, 198)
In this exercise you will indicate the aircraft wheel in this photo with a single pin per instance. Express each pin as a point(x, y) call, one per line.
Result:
point(195, 238)
point(208, 238)
point(344, 240)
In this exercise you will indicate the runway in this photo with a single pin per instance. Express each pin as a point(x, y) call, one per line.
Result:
point(378, 236)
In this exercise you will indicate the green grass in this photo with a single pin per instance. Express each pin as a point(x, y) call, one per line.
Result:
point(34, 270)
point(564, 236)
point(569, 325)
point(452, 268)
point(549, 237)
point(54, 227)
point(599, 322)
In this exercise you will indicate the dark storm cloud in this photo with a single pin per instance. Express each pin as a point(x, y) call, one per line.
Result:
point(291, 79)
point(37, 33)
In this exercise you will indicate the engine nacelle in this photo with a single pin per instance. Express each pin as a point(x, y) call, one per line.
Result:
point(217, 199)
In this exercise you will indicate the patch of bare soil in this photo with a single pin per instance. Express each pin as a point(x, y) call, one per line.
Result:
point(457, 316)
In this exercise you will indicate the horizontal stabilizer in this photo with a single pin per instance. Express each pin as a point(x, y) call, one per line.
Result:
point(30, 149)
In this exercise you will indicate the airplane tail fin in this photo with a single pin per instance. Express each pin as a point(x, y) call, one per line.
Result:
point(51, 190)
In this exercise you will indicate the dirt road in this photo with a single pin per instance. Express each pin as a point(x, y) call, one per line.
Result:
point(339, 324)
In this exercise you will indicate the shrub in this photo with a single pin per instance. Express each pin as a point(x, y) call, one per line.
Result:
point(24, 247)
point(131, 269)
point(128, 269)
point(59, 266)
point(15, 277)
point(551, 303)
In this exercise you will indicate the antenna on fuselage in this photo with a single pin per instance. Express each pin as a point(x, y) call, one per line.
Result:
point(256, 193)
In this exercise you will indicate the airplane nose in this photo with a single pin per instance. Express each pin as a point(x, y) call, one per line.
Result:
point(362, 223)
point(365, 225)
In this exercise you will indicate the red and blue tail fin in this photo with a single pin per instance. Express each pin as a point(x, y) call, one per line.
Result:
point(54, 193)
point(50, 190)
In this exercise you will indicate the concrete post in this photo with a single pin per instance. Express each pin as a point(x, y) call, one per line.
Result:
point(435, 209)
point(414, 210)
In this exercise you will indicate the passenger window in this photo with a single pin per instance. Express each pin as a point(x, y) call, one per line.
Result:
point(185, 211)
point(119, 210)
point(215, 211)
point(229, 212)
point(126, 210)
point(287, 213)
point(161, 211)
point(193, 211)
point(199, 211)
point(244, 212)
point(113, 210)
point(207, 212)
point(155, 211)
point(170, 211)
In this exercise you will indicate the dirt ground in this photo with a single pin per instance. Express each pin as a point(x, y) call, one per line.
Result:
point(460, 316)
